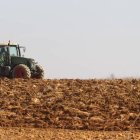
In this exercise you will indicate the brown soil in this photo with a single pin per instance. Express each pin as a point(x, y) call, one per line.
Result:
point(98, 105)
point(55, 134)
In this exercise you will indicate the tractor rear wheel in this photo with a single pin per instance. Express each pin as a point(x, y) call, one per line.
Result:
point(21, 71)
point(40, 72)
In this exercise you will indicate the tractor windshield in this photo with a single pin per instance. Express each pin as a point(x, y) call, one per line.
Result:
point(13, 51)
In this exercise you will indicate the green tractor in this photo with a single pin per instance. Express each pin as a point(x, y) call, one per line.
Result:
point(14, 65)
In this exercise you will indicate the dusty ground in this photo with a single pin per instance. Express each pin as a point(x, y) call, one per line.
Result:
point(58, 134)
point(97, 105)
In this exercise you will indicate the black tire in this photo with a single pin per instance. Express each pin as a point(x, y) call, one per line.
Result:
point(40, 72)
point(21, 71)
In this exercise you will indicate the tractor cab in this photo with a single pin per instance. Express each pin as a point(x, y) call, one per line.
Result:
point(12, 50)
point(8, 52)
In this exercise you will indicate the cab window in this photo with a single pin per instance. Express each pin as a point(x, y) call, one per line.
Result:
point(13, 51)
point(3, 50)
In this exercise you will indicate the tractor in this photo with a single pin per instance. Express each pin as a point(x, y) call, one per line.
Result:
point(13, 64)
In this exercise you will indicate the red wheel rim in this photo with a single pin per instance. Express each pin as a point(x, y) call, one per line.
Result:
point(19, 73)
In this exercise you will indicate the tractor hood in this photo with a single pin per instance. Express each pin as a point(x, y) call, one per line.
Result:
point(15, 60)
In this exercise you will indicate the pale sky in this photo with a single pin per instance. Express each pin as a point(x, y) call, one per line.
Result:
point(76, 38)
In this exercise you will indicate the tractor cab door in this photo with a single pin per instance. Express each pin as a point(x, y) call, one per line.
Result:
point(4, 61)
point(4, 56)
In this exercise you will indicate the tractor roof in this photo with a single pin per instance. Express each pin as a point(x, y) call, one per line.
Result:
point(6, 44)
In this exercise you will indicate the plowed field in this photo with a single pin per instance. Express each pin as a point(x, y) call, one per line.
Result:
point(97, 105)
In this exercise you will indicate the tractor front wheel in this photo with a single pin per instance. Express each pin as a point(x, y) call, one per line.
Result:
point(40, 72)
point(21, 71)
